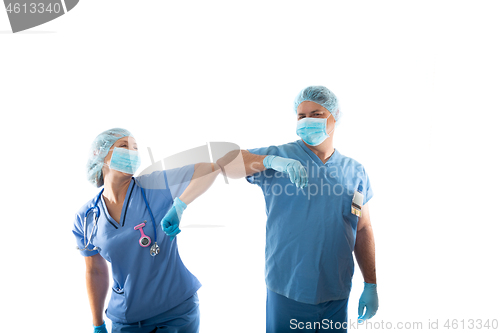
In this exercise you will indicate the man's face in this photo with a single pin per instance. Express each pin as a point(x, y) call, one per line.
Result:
point(310, 109)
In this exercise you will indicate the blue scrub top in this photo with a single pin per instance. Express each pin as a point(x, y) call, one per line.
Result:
point(143, 286)
point(310, 232)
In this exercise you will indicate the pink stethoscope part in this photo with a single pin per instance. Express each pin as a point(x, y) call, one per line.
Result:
point(139, 227)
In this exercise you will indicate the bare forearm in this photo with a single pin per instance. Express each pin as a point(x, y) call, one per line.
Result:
point(364, 251)
point(203, 177)
point(241, 163)
point(97, 289)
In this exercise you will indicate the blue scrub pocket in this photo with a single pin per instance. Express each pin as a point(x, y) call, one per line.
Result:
point(118, 290)
point(350, 220)
point(117, 304)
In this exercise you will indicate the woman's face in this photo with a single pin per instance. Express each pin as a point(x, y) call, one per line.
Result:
point(126, 142)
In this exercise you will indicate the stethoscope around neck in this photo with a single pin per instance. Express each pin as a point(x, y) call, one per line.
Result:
point(154, 250)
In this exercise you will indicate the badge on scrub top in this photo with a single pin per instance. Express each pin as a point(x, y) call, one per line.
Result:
point(357, 203)
point(144, 241)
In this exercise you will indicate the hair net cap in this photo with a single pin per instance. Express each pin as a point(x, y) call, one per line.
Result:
point(98, 151)
point(321, 95)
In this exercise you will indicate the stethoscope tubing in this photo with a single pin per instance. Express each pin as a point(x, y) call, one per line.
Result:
point(96, 218)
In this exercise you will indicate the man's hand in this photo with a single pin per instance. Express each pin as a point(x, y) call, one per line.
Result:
point(368, 300)
point(291, 167)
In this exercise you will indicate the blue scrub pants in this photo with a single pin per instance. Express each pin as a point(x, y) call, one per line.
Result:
point(184, 318)
point(286, 315)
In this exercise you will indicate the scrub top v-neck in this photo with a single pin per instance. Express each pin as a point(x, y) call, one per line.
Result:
point(143, 286)
point(123, 213)
point(310, 232)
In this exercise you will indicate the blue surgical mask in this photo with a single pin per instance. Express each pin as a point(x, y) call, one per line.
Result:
point(312, 130)
point(125, 160)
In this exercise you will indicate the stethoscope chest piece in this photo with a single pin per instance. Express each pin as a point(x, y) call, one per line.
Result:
point(155, 249)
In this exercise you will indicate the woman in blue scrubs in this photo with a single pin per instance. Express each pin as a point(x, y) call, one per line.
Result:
point(152, 290)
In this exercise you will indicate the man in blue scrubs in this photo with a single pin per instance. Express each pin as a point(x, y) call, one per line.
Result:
point(317, 215)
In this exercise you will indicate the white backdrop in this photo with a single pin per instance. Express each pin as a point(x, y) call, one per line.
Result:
point(418, 84)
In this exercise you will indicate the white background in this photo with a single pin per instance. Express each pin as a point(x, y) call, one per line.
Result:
point(418, 83)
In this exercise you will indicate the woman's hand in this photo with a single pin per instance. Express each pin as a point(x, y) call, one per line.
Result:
point(100, 329)
point(171, 220)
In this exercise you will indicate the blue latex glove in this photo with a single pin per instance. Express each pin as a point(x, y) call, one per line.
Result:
point(171, 220)
point(293, 168)
point(100, 329)
point(368, 300)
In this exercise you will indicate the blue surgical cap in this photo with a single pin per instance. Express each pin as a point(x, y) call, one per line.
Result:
point(98, 151)
point(321, 95)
